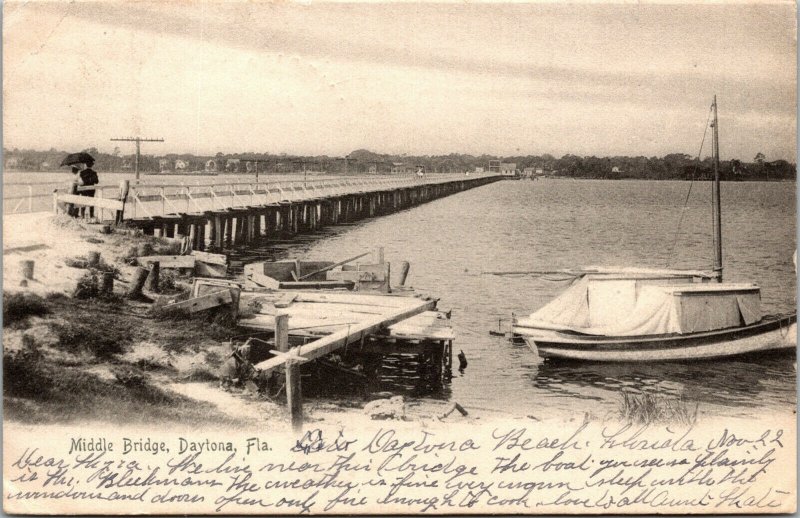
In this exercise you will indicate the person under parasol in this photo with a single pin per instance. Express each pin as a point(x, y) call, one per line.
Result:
point(82, 176)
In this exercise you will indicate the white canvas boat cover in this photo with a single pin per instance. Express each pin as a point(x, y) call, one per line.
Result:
point(614, 306)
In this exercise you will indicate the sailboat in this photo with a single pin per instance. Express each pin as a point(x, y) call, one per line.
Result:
point(639, 314)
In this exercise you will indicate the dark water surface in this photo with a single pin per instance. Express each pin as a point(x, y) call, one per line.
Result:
point(551, 224)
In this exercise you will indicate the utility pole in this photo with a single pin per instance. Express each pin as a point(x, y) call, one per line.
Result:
point(138, 141)
point(256, 162)
point(305, 171)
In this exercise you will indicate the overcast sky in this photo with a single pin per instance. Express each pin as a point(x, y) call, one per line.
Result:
point(400, 78)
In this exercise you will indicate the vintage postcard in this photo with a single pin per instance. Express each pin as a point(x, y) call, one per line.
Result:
point(399, 258)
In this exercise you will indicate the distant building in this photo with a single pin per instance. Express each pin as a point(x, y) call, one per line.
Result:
point(373, 169)
point(479, 169)
point(181, 165)
point(615, 169)
point(494, 166)
point(528, 171)
point(211, 166)
point(163, 164)
point(398, 167)
point(508, 167)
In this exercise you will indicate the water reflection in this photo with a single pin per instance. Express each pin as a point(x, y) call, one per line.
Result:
point(736, 382)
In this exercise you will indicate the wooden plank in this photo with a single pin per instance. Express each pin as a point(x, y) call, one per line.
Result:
point(203, 302)
point(169, 261)
point(24, 246)
point(432, 325)
point(378, 301)
point(205, 286)
point(285, 301)
point(352, 334)
point(205, 257)
point(352, 276)
point(316, 285)
point(253, 279)
point(424, 333)
point(336, 299)
point(202, 285)
point(332, 266)
point(92, 201)
point(300, 325)
point(210, 270)
point(300, 309)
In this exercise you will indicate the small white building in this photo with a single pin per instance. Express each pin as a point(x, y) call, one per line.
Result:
point(615, 169)
point(508, 167)
point(181, 165)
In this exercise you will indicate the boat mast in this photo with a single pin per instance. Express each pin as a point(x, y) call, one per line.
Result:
point(715, 194)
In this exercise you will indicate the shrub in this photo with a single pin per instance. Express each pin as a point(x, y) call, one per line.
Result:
point(103, 343)
point(23, 373)
point(88, 286)
point(17, 307)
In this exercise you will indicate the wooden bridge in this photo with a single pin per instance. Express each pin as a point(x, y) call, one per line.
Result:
point(219, 215)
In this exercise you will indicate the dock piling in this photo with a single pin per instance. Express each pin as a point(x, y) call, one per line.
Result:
point(294, 395)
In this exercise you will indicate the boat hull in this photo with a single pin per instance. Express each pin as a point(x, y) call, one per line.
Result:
point(767, 335)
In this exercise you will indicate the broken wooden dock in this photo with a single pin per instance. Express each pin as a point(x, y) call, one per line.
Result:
point(338, 319)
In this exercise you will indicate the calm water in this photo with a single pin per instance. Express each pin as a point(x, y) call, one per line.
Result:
point(551, 224)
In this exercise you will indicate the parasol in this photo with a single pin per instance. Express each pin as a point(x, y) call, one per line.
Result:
point(77, 158)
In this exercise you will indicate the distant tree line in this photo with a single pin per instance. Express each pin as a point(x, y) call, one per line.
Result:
point(674, 166)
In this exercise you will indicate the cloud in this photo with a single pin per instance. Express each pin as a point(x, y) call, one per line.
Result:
point(435, 70)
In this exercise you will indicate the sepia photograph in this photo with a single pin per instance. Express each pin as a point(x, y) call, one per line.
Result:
point(399, 257)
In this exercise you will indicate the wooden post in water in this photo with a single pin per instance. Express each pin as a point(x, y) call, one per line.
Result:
point(219, 231)
point(404, 267)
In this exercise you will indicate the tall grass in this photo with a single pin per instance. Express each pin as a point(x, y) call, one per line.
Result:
point(646, 408)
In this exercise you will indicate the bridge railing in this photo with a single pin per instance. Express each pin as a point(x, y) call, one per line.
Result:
point(127, 200)
point(155, 200)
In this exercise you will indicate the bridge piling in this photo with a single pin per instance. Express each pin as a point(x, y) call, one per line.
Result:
point(228, 226)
